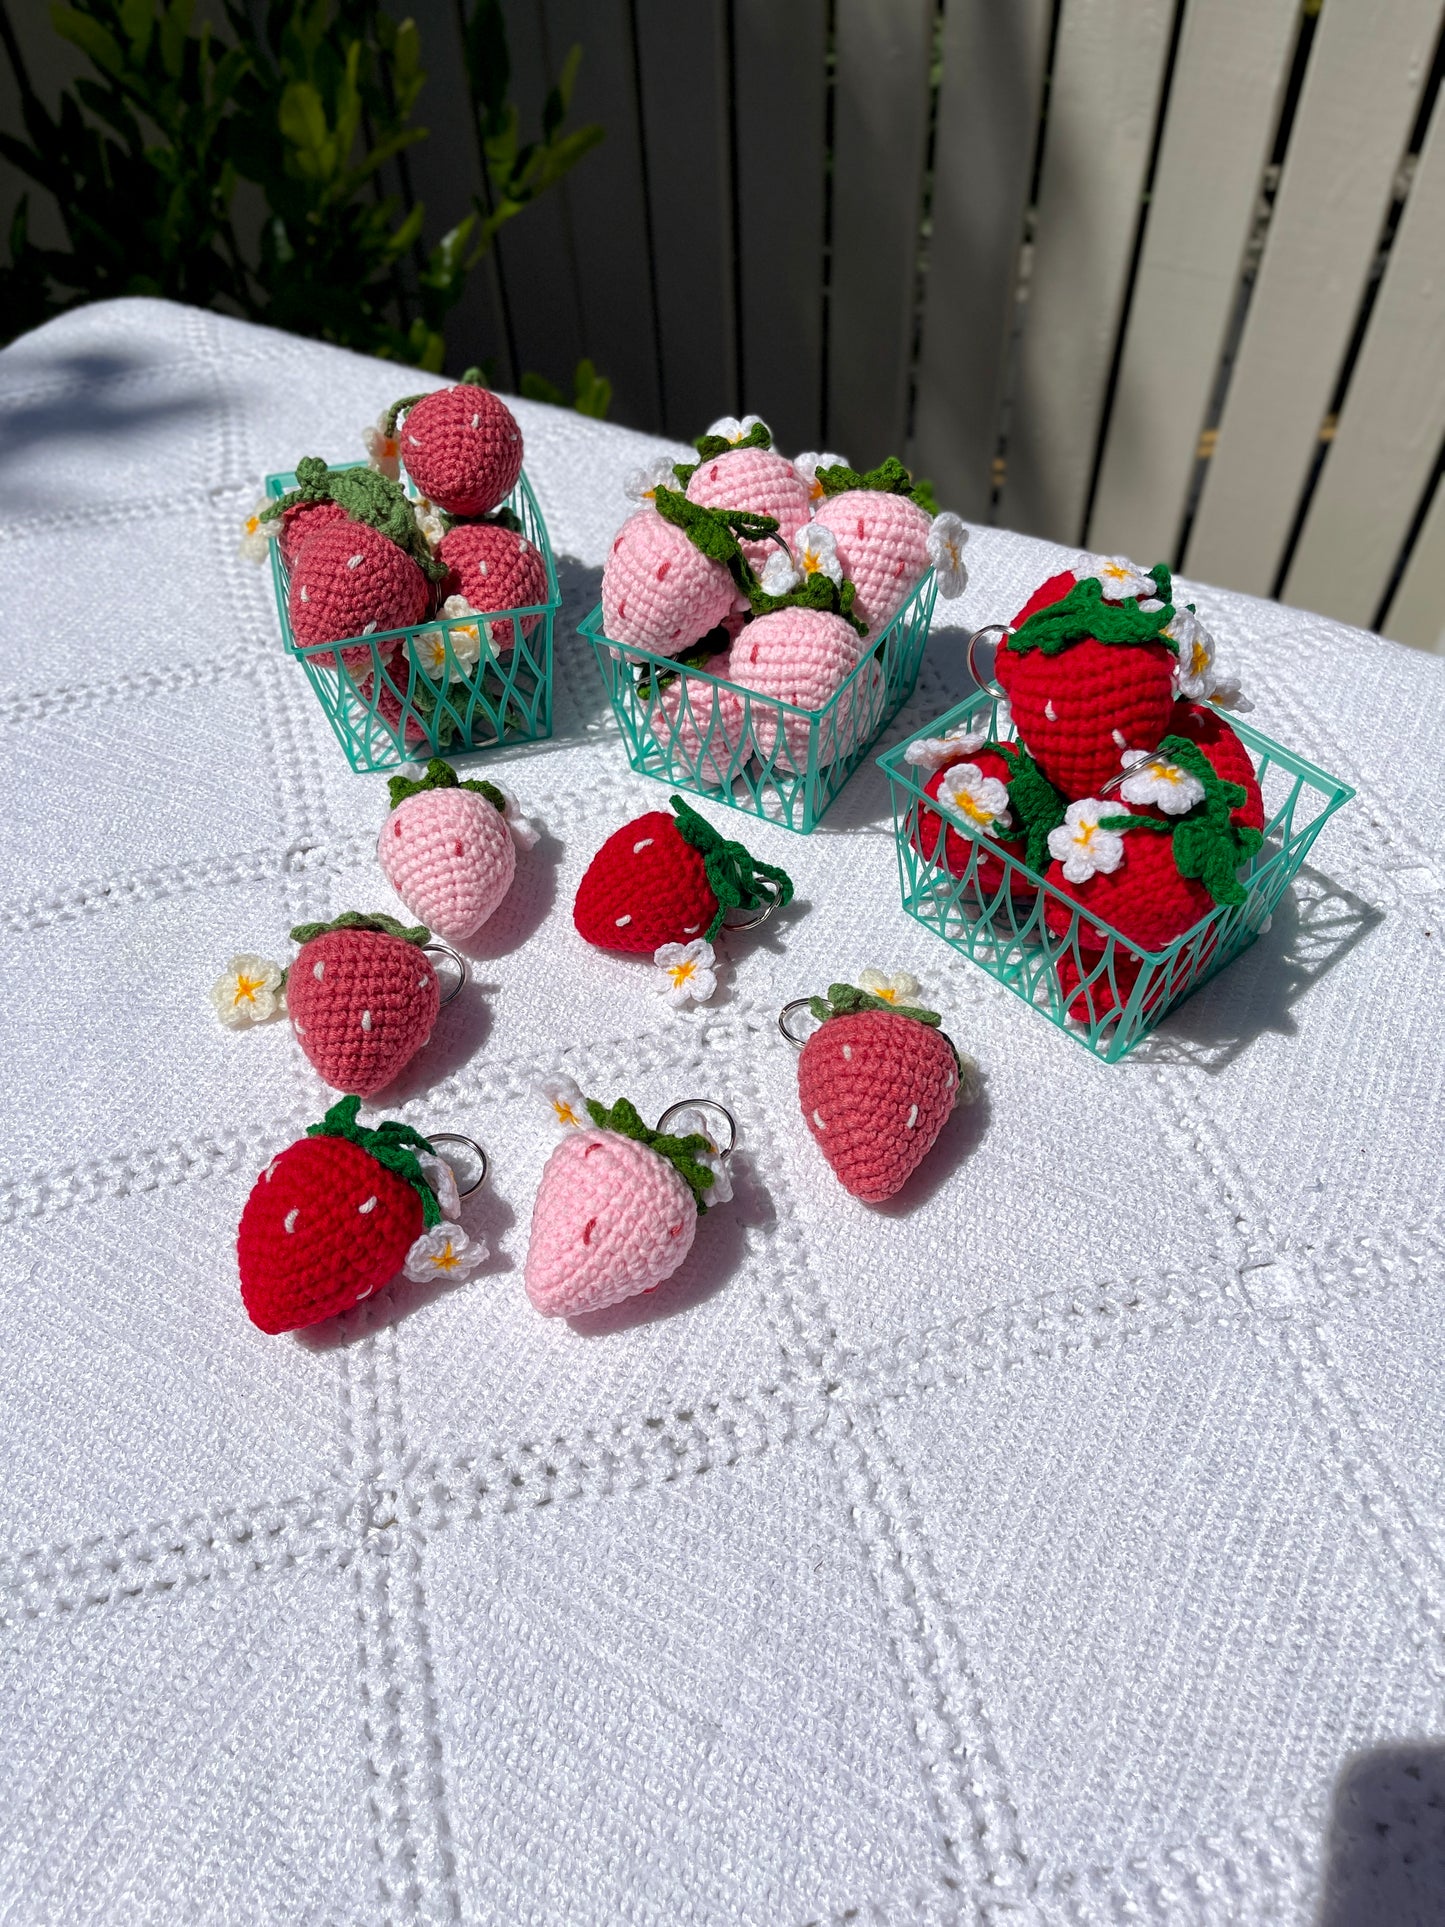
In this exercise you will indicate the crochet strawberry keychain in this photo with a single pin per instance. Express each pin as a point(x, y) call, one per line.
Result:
point(877, 1081)
point(888, 530)
point(338, 1214)
point(449, 848)
point(461, 446)
point(363, 996)
point(987, 788)
point(618, 1206)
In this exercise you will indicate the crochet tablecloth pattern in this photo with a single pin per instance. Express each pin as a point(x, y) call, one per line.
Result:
point(1061, 1543)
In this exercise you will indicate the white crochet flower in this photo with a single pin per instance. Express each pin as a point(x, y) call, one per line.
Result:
point(779, 576)
point(1081, 846)
point(735, 431)
point(430, 520)
point(524, 831)
point(1118, 577)
point(442, 1179)
point(445, 1252)
point(429, 647)
point(383, 451)
point(815, 550)
point(808, 466)
point(1154, 779)
point(643, 483)
point(1194, 672)
point(720, 1191)
point(248, 992)
point(1225, 693)
point(979, 803)
point(257, 536)
point(686, 972)
point(569, 1106)
point(946, 537)
point(898, 987)
point(933, 752)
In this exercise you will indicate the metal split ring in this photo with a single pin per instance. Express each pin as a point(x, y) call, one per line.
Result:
point(753, 919)
point(457, 1137)
point(1003, 632)
point(462, 971)
point(798, 1003)
point(706, 1105)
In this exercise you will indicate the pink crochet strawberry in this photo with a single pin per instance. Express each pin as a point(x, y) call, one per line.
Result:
point(363, 998)
point(617, 1209)
point(1032, 807)
point(888, 533)
point(667, 879)
point(737, 468)
point(448, 849)
point(700, 722)
point(494, 567)
point(675, 572)
point(461, 446)
point(1090, 675)
point(877, 1082)
point(332, 1219)
point(798, 655)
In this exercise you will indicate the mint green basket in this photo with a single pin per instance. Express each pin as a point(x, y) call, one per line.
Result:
point(698, 732)
point(1102, 991)
point(403, 695)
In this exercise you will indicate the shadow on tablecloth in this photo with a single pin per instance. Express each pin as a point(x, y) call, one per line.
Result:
point(1385, 1849)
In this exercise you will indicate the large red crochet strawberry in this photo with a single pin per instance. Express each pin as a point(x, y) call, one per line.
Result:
point(363, 998)
point(495, 567)
point(1032, 807)
point(738, 468)
point(331, 1219)
point(1202, 723)
point(1089, 675)
point(664, 879)
point(888, 532)
point(876, 1082)
point(461, 446)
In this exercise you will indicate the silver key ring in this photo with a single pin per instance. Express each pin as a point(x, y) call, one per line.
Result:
point(798, 1003)
point(706, 1105)
point(1003, 632)
point(462, 971)
point(457, 1137)
point(752, 919)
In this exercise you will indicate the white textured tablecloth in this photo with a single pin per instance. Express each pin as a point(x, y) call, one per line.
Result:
point(1063, 1544)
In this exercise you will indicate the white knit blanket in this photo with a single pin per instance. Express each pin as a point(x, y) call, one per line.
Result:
point(1064, 1544)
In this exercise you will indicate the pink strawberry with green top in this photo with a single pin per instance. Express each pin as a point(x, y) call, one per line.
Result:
point(447, 849)
point(461, 446)
point(798, 655)
point(888, 533)
point(738, 468)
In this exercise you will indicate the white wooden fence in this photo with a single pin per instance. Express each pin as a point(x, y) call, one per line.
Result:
point(1161, 276)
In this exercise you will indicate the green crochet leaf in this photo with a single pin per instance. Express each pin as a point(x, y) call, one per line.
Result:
point(889, 478)
point(715, 532)
point(367, 496)
point(392, 1144)
point(1208, 845)
point(758, 436)
point(362, 920)
point(1084, 612)
point(441, 776)
point(684, 1154)
point(818, 591)
point(732, 871)
point(845, 1000)
point(399, 408)
point(1037, 805)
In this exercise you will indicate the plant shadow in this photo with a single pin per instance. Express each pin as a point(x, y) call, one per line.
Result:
point(1384, 1860)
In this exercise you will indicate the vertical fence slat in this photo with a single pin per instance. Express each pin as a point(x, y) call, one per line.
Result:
point(1361, 89)
point(1230, 70)
point(880, 130)
point(607, 209)
point(1417, 612)
point(988, 110)
point(779, 88)
point(683, 67)
point(1103, 102)
point(1392, 421)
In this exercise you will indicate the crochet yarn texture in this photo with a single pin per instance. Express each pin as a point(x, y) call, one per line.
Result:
point(883, 548)
point(700, 724)
point(350, 580)
point(494, 568)
point(611, 1219)
point(659, 591)
point(461, 446)
point(763, 483)
point(958, 847)
point(301, 521)
point(362, 999)
point(798, 656)
point(447, 850)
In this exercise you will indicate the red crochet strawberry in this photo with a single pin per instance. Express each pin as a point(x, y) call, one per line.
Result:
point(461, 446)
point(331, 1219)
point(494, 567)
point(1088, 677)
point(363, 998)
point(738, 468)
point(1202, 723)
point(302, 521)
point(1034, 808)
point(661, 879)
point(876, 1082)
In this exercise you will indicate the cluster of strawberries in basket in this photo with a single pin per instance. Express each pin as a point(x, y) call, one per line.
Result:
point(1125, 787)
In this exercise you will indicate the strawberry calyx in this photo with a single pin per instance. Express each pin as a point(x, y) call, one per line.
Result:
point(1208, 844)
point(710, 446)
point(889, 478)
point(684, 1154)
point(1033, 799)
point(441, 776)
point(1084, 614)
point(733, 873)
point(847, 1000)
point(416, 933)
point(715, 533)
point(393, 1145)
point(817, 591)
point(365, 495)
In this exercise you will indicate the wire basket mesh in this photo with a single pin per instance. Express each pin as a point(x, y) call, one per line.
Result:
point(441, 687)
point(1076, 970)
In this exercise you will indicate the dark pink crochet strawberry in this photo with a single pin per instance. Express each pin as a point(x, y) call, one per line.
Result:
point(1088, 678)
point(876, 1083)
point(461, 446)
point(493, 567)
point(363, 998)
point(302, 521)
point(331, 1219)
point(738, 468)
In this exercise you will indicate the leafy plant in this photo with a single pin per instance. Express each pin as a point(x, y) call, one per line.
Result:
point(241, 169)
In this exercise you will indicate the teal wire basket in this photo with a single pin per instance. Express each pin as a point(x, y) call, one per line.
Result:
point(439, 688)
point(698, 732)
point(1083, 974)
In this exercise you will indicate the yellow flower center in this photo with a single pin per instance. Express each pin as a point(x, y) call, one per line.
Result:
point(1115, 573)
point(391, 446)
point(253, 523)
point(1084, 835)
point(246, 988)
point(1166, 772)
point(446, 1259)
point(816, 490)
point(970, 807)
point(811, 564)
point(1198, 659)
point(565, 1113)
point(681, 973)
point(887, 993)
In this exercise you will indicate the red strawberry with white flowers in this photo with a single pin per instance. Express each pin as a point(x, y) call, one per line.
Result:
point(738, 468)
point(1202, 723)
point(876, 1083)
point(669, 879)
point(331, 1219)
point(363, 998)
point(993, 788)
point(887, 538)
point(494, 567)
point(461, 446)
